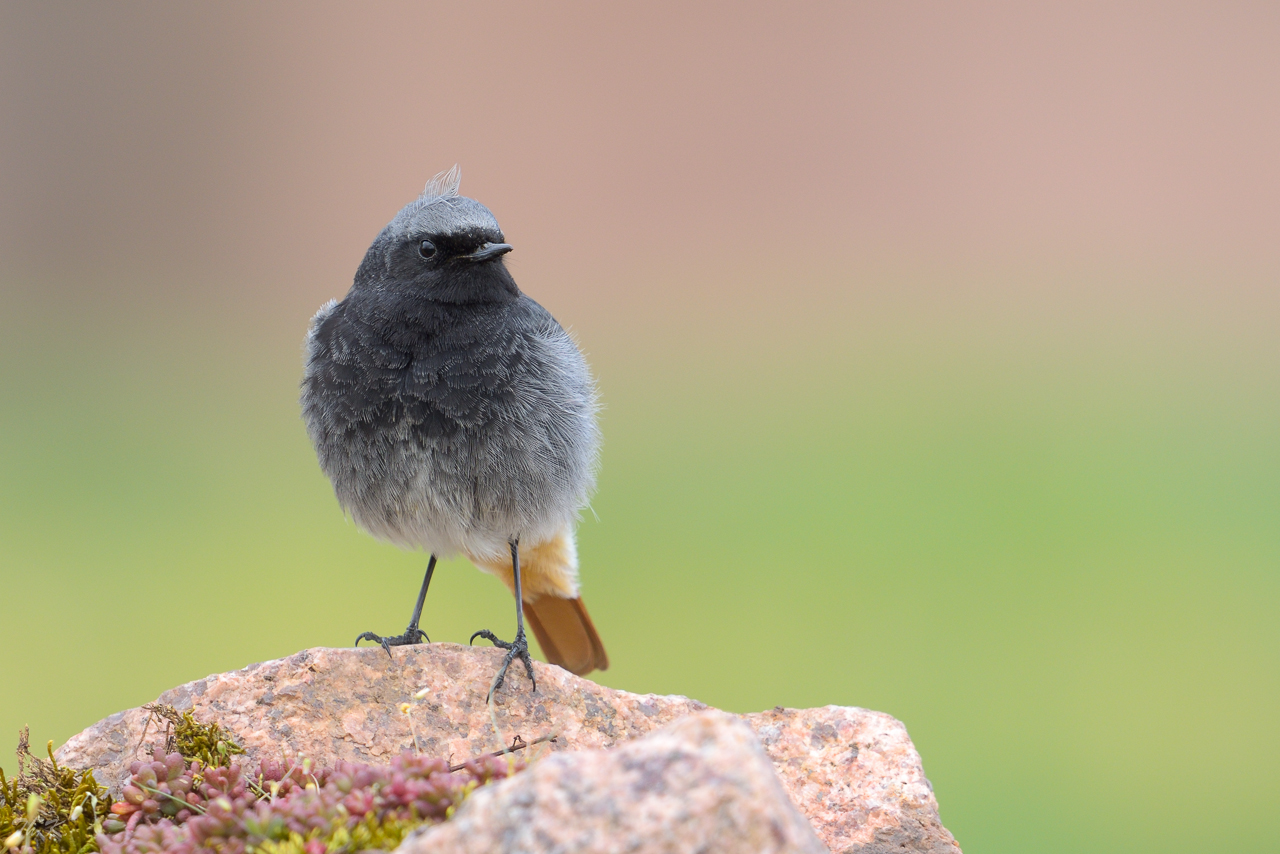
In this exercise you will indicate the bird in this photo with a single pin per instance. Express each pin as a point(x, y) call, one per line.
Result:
point(454, 415)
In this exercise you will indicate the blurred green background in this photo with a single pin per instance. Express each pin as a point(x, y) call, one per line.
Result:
point(938, 353)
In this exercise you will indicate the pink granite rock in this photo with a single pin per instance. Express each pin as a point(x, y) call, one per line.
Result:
point(853, 773)
point(700, 784)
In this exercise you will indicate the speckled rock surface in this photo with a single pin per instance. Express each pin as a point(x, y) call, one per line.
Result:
point(700, 784)
point(853, 773)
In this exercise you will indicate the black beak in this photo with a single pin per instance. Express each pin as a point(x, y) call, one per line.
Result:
point(489, 250)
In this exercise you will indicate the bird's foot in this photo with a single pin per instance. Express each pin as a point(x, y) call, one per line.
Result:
point(518, 648)
point(411, 635)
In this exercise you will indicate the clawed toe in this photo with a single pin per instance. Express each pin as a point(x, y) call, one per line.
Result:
point(411, 636)
point(491, 638)
point(518, 648)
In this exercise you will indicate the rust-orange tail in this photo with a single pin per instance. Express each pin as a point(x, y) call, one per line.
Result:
point(552, 607)
point(566, 634)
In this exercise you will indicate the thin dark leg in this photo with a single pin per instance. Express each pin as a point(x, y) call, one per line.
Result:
point(422, 597)
point(413, 634)
point(518, 648)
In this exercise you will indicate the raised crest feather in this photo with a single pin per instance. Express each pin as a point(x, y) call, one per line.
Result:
point(440, 209)
point(442, 186)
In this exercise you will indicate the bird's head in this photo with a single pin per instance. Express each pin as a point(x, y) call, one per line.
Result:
point(442, 247)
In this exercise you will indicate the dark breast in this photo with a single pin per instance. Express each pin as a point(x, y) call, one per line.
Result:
point(428, 376)
point(434, 378)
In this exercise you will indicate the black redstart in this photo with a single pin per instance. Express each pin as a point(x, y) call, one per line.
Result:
point(453, 414)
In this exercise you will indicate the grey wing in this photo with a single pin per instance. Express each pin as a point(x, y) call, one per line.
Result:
point(569, 385)
point(316, 391)
point(320, 317)
point(560, 392)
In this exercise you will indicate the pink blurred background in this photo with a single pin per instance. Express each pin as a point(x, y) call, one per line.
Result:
point(270, 141)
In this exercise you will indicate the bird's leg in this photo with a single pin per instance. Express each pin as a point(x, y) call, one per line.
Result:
point(413, 634)
point(519, 647)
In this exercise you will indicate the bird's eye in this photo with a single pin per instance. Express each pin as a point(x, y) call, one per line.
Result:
point(427, 249)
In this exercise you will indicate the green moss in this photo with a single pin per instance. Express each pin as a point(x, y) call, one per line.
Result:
point(368, 835)
point(48, 809)
point(192, 739)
